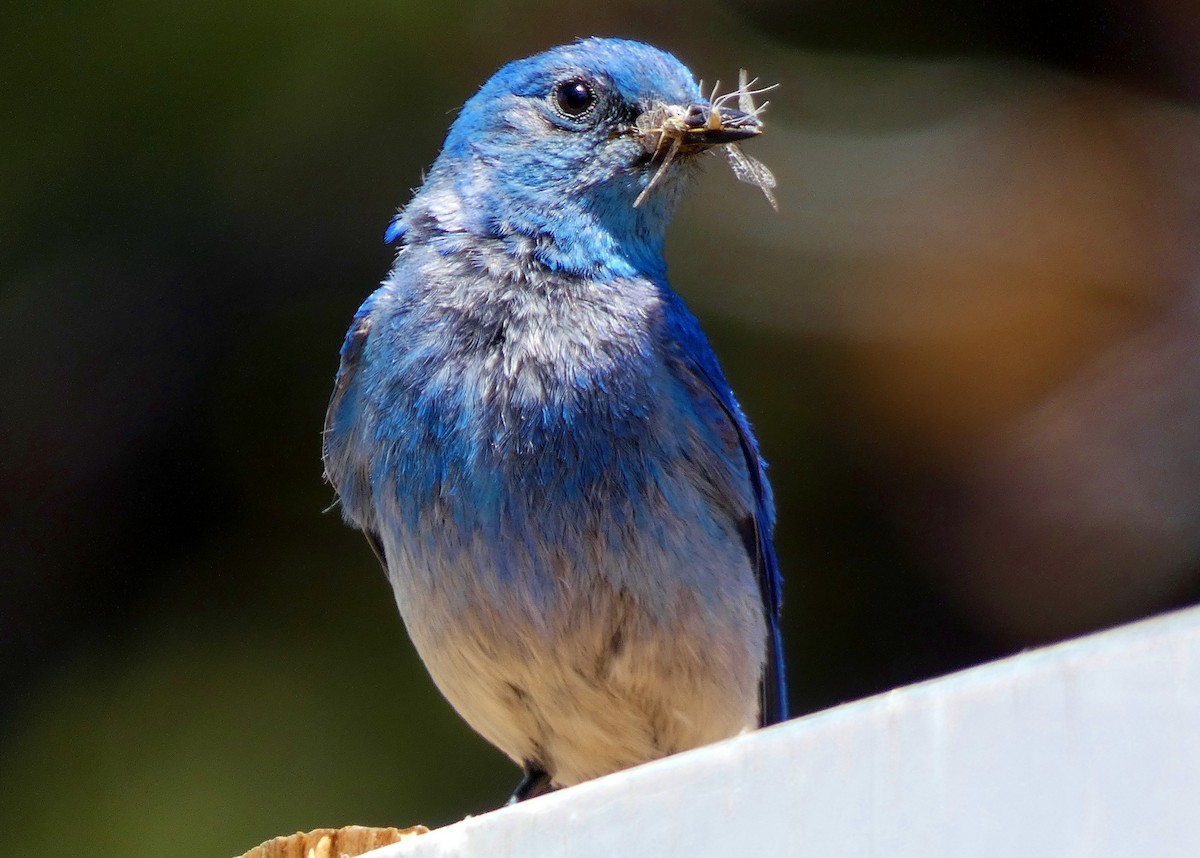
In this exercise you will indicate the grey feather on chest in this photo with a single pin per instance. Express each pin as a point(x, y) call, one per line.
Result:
point(555, 390)
point(527, 359)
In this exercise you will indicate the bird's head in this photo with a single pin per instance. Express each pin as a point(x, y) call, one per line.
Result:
point(577, 156)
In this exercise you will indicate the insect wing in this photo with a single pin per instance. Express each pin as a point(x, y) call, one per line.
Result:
point(751, 171)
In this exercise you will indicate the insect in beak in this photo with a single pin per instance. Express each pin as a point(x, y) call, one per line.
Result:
point(667, 131)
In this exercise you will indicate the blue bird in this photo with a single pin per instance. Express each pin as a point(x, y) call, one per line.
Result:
point(537, 439)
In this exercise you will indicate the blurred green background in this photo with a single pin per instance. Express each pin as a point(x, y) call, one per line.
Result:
point(968, 341)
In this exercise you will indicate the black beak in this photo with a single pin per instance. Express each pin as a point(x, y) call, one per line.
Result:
point(709, 126)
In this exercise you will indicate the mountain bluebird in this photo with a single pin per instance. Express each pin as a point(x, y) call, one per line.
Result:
point(537, 439)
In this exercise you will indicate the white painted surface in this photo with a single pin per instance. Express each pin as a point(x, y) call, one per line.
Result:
point(1089, 748)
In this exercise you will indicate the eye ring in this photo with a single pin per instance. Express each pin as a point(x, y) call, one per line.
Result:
point(574, 97)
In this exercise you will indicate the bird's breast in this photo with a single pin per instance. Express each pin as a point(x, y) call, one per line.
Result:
point(487, 390)
point(535, 441)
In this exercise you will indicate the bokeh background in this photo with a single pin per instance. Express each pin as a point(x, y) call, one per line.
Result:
point(969, 340)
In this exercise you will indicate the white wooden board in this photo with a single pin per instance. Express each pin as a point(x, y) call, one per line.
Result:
point(1085, 749)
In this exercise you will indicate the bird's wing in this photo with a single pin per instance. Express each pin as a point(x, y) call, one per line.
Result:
point(693, 362)
point(346, 472)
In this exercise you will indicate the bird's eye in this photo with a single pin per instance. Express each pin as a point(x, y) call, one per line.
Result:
point(574, 97)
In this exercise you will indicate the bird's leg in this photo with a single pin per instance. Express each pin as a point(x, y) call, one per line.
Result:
point(536, 782)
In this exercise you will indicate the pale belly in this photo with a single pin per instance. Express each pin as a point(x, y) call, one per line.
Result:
point(581, 677)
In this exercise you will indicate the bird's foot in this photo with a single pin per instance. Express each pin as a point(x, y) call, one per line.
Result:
point(536, 782)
